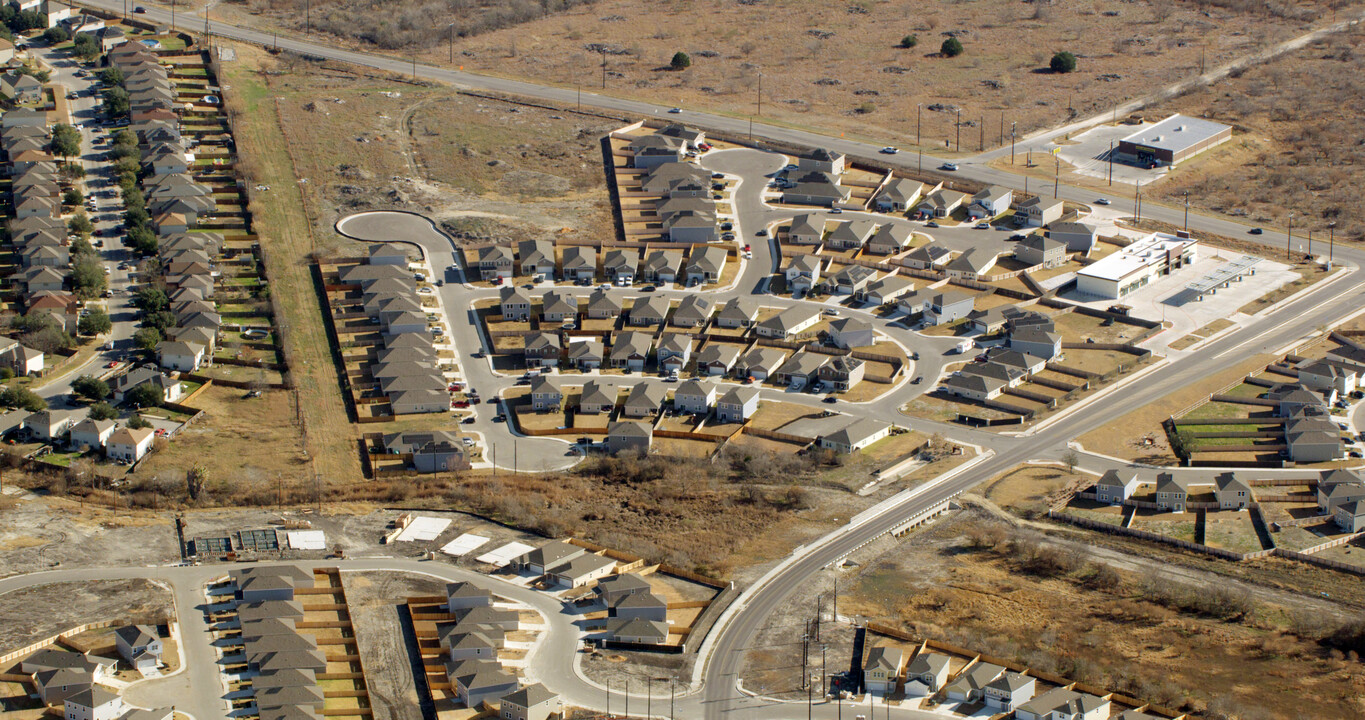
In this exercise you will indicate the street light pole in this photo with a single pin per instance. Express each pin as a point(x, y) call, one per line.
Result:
point(919, 112)
point(450, 35)
point(958, 123)
point(1187, 211)
point(760, 95)
point(1289, 238)
point(1012, 124)
point(1332, 241)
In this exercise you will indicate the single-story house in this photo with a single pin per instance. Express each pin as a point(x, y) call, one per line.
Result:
point(855, 436)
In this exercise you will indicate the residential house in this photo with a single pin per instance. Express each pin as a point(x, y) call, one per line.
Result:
point(602, 305)
point(21, 359)
point(928, 257)
point(759, 363)
point(619, 266)
point(612, 588)
point(974, 387)
point(649, 311)
point(673, 351)
point(717, 358)
point(1328, 375)
point(1292, 400)
point(882, 669)
point(886, 290)
point(180, 356)
point(580, 263)
point(855, 436)
point(637, 631)
point(20, 88)
point(821, 160)
point(1008, 691)
point(693, 312)
point(540, 560)
point(1063, 704)
point(990, 202)
point(941, 308)
point(558, 307)
point(129, 444)
point(739, 312)
point(890, 239)
point(970, 685)
point(494, 261)
point(596, 398)
point(694, 397)
point(852, 279)
point(462, 643)
point(630, 350)
point(808, 229)
point(1313, 439)
point(92, 434)
point(842, 373)
point(691, 137)
point(1077, 236)
point(688, 219)
point(580, 571)
point(465, 595)
point(651, 151)
point(662, 265)
point(644, 400)
point(939, 203)
point(930, 670)
point(1232, 492)
point(850, 235)
point(1338, 486)
point(478, 681)
point(800, 369)
point(1115, 486)
point(1039, 343)
point(898, 195)
point(988, 322)
point(532, 702)
point(629, 436)
point(545, 396)
point(816, 188)
point(803, 273)
point(971, 265)
point(1350, 516)
point(1037, 250)
point(586, 354)
point(93, 703)
point(515, 304)
point(1038, 211)
point(6, 51)
point(542, 349)
point(1172, 492)
point(537, 257)
point(790, 323)
point(737, 405)
point(849, 333)
point(640, 606)
point(49, 425)
point(704, 265)
point(139, 645)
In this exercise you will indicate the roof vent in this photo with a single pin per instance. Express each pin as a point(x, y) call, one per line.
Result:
point(1179, 128)
point(1156, 138)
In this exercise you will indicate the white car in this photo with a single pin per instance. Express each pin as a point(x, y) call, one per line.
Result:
point(948, 166)
point(888, 150)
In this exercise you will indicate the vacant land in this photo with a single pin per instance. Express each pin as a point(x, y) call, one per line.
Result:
point(373, 600)
point(32, 614)
point(835, 66)
point(1287, 156)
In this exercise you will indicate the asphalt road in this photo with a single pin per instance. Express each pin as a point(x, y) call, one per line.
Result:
point(722, 660)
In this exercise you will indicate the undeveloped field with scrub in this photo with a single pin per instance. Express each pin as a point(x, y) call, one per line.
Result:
point(1291, 151)
point(41, 611)
point(834, 66)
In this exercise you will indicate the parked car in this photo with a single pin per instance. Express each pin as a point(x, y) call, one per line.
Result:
point(931, 224)
point(983, 226)
point(836, 211)
point(761, 233)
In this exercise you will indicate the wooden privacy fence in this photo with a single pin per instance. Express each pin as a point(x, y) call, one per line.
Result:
point(775, 435)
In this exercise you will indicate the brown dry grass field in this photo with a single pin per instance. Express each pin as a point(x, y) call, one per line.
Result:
point(41, 611)
point(1288, 152)
point(837, 67)
point(1090, 623)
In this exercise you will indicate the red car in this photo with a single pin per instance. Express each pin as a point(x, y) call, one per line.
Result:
point(112, 364)
point(461, 404)
point(161, 432)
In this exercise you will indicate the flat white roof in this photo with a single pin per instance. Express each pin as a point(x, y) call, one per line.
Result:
point(1148, 251)
point(423, 529)
point(1176, 133)
point(463, 545)
point(505, 554)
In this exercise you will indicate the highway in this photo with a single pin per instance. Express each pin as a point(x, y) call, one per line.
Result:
point(718, 668)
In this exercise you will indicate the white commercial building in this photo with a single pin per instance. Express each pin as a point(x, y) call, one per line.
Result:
point(1135, 266)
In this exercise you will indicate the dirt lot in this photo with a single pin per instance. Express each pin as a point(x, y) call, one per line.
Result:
point(1138, 434)
point(1282, 155)
point(48, 533)
point(837, 67)
point(960, 581)
point(32, 614)
point(374, 600)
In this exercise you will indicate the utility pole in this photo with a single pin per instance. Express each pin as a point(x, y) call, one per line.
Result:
point(958, 122)
point(835, 613)
point(672, 697)
point(579, 87)
point(1332, 228)
point(307, 17)
point(609, 699)
point(824, 686)
point(981, 144)
point(760, 95)
point(919, 112)
point(1012, 137)
point(450, 35)
point(819, 610)
point(1111, 162)
point(627, 697)
point(1310, 243)
point(805, 653)
point(172, 15)
point(1002, 127)
point(921, 160)
point(1056, 176)
point(649, 698)
point(1187, 211)
point(604, 69)
point(1137, 197)
point(514, 454)
point(1289, 238)
point(414, 67)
